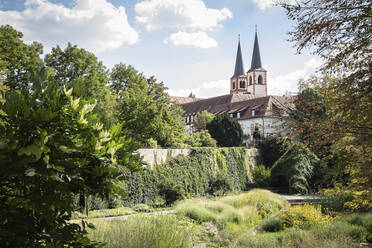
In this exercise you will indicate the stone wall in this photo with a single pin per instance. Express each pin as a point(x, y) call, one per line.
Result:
point(158, 156)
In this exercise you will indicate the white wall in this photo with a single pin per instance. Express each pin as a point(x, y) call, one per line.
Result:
point(266, 125)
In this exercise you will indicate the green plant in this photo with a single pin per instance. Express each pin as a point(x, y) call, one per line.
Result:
point(226, 130)
point(142, 208)
point(272, 225)
point(149, 232)
point(261, 176)
point(219, 185)
point(271, 149)
point(52, 147)
point(295, 169)
point(304, 217)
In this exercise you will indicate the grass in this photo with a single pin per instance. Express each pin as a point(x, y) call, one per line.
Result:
point(237, 213)
point(103, 213)
point(161, 231)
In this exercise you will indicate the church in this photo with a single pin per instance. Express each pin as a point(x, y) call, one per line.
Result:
point(247, 101)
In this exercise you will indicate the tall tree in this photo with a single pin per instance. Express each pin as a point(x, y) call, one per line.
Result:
point(340, 32)
point(201, 121)
point(17, 59)
point(77, 68)
point(226, 130)
point(145, 109)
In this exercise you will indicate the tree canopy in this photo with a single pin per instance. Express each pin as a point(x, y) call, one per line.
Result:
point(145, 109)
point(17, 59)
point(226, 130)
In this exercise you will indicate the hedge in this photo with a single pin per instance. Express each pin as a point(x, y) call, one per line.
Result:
point(206, 171)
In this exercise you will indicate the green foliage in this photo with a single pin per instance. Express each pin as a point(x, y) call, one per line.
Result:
point(206, 171)
point(226, 130)
point(271, 149)
point(219, 185)
point(145, 109)
point(201, 121)
point(51, 147)
point(200, 139)
point(295, 169)
point(103, 213)
point(17, 59)
point(272, 225)
point(261, 176)
point(149, 232)
point(79, 69)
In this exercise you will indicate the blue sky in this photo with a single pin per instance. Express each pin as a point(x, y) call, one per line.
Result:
point(190, 45)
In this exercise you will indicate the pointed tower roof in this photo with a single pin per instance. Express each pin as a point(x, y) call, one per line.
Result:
point(239, 67)
point(256, 57)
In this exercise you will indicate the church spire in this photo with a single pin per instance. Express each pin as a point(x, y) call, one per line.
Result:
point(239, 67)
point(256, 57)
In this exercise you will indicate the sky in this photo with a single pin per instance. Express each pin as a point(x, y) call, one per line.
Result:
point(190, 45)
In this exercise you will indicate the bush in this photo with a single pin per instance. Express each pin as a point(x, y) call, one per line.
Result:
point(266, 202)
point(295, 169)
point(272, 225)
point(200, 139)
point(142, 208)
point(303, 217)
point(271, 149)
point(220, 185)
point(261, 176)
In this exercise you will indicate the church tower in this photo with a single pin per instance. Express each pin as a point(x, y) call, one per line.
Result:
point(257, 76)
point(238, 82)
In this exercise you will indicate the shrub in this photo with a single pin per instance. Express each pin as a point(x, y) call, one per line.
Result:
point(295, 169)
point(265, 201)
point(171, 191)
point(272, 225)
point(303, 217)
point(142, 208)
point(338, 230)
point(335, 199)
point(272, 148)
point(261, 176)
point(220, 185)
point(200, 139)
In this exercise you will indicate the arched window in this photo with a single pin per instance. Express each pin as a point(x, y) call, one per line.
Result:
point(250, 80)
point(260, 79)
point(242, 84)
point(233, 85)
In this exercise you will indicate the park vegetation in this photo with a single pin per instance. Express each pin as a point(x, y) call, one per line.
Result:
point(69, 129)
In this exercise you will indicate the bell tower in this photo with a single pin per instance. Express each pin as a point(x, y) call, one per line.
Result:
point(238, 82)
point(257, 76)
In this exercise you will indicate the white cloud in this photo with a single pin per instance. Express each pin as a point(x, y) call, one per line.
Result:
point(96, 25)
point(283, 84)
point(180, 14)
point(206, 90)
point(265, 4)
point(197, 39)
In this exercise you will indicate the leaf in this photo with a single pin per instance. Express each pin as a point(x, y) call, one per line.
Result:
point(30, 150)
point(30, 172)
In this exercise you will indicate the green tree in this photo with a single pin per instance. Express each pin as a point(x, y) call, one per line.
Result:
point(200, 139)
point(50, 148)
point(17, 59)
point(77, 68)
point(201, 121)
point(145, 109)
point(340, 33)
point(226, 130)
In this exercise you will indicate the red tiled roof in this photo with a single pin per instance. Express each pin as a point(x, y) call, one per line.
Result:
point(242, 103)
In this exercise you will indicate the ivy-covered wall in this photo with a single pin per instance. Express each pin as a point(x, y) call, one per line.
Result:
point(203, 172)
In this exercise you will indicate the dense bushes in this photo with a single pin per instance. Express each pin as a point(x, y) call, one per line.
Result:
point(271, 149)
point(206, 171)
point(295, 169)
